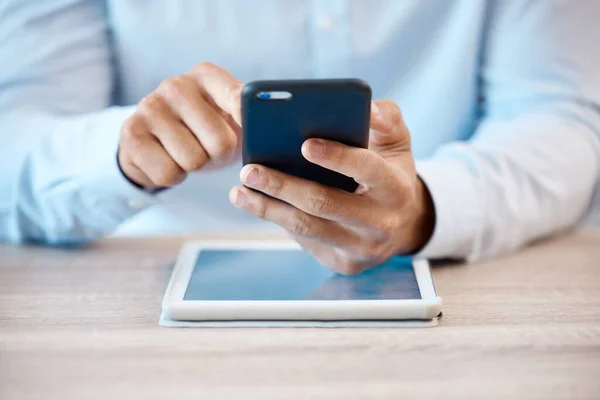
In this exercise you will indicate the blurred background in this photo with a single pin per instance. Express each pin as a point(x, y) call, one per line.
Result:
point(72, 72)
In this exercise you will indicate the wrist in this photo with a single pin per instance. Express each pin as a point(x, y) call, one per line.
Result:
point(424, 218)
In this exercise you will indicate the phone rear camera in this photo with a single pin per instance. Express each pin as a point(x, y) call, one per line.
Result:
point(263, 95)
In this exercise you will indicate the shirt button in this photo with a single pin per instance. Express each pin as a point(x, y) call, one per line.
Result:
point(136, 204)
point(326, 22)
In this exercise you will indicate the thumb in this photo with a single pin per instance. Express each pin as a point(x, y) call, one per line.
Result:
point(389, 135)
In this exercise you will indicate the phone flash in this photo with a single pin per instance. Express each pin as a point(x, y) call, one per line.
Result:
point(267, 96)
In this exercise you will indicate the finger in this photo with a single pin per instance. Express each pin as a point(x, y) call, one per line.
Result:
point(365, 166)
point(133, 172)
point(308, 196)
point(215, 134)
point(181, 144)
point(292, 219)
point(150, 157)
point(389, 135)
point(333, 258)
point(222, 87)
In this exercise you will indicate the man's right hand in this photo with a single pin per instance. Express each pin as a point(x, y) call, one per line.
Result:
point(190, 122)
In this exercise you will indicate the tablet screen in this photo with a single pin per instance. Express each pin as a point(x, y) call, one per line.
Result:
point(293, 275)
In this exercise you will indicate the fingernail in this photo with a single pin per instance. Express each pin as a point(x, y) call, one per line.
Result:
point(238, 198)
point(316, 149)
point(252, 177)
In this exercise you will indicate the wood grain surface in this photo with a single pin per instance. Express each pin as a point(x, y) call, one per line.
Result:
point(82, 324)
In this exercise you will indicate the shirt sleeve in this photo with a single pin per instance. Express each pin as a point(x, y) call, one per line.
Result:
point(60, 182)
point(531, 167)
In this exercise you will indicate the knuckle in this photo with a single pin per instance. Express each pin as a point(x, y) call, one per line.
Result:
point(372, 252)
point(372, 164)
point(383, 222)
point(337, 154)
point(364, 159)
point(388, 228)
point(393, 110)
point(234, 91)
point(190, 156)
point(195, 162)
point(176, 87)
point(152, 105)
point(136, 157)
point(403, 191)
point(392, 117)
point(224, 147)
point(301, 224)
point(320, 202)
point(259, 208)
point(168, 176)
point(274, 184)
point(203, 67)
point(190, 164)
point(349, 266)
point(133, 129)
point(386, 127)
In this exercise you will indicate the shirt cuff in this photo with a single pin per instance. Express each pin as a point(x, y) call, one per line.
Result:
point(105, 188)
point(458, 208)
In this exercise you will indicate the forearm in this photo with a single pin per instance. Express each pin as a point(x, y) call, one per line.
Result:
point(518, 180)
point(61, 182)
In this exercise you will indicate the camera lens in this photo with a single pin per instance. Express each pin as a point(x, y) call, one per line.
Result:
point(264, 95)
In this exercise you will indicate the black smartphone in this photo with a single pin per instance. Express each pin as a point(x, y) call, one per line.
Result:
point(278, 116)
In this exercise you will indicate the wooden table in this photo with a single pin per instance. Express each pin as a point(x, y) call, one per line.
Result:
point(82, 324)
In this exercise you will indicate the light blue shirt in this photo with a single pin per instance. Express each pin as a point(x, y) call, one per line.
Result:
point(502, 99)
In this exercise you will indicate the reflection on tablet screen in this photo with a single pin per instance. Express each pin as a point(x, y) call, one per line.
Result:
point(293, 275)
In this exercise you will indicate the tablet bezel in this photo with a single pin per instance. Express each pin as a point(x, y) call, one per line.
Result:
point(174, 305)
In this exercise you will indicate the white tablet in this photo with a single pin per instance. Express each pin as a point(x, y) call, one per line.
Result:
point(277, 280)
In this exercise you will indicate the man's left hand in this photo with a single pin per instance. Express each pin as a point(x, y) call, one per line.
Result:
point(391, 212)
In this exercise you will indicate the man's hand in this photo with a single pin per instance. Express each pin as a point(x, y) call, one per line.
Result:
point(189, 122)
point(390, 213)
